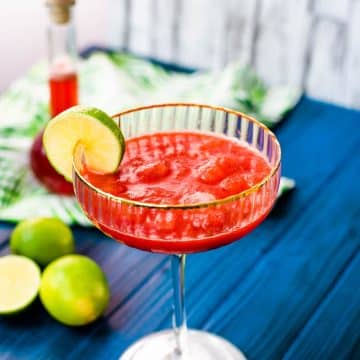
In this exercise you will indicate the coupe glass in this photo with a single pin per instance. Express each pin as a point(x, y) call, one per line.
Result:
point(182, 229)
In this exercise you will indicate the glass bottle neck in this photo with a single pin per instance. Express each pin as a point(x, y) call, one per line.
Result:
point(63, 83)
point(61, 47)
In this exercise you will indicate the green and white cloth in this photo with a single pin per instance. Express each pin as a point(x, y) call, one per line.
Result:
point(114, 82)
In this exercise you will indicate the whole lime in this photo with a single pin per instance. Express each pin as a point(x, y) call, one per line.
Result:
point(74, 290)
point(42, 239)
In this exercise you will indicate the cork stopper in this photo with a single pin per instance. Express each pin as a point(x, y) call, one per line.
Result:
point(60, 10)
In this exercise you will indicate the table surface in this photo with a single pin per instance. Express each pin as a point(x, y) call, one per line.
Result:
point(289, 290)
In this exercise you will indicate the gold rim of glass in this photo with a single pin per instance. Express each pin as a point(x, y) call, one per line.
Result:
point(227, 199)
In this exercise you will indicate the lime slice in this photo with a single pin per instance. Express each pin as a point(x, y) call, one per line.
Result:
point(19, 283)
point(101, 138)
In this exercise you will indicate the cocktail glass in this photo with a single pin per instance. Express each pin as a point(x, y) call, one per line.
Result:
point(185, 228)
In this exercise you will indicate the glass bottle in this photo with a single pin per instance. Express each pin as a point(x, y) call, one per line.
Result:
point(63, 87)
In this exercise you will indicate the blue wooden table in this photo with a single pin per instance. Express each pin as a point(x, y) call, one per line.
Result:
point(290, 290)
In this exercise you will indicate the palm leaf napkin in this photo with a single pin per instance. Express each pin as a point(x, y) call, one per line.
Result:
point(113, 82)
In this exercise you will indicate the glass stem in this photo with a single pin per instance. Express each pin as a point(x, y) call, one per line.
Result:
point(179, 315)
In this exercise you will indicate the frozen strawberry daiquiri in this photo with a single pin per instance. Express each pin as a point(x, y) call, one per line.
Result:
point(180, 168)
point(188, 178)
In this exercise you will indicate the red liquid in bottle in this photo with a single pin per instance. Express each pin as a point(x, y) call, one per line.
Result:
point(63, 94)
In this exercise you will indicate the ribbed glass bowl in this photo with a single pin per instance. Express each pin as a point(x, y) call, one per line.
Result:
point(183, 228)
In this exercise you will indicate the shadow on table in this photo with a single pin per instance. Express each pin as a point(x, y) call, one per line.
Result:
point(283, 205)
point(33, 316)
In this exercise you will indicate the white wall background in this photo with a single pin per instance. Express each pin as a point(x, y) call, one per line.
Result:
point(23, 37)
point(314, 44)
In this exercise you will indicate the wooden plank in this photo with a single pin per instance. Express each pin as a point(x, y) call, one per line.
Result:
point(326, 71)
point(282, 38)
point(118, 23)
point(219, 275)
point(200, 23)
point(273, 227)
point(335, 9)
point(273, 35)
point(5, 231)
point(145, 27)
point(164, 29)
point(285, 287)
point(335, 323)
point(141, 27)
point(352, 74)
point(141, 282)
point(355, 352)
point(304, 127)
point(241, 20)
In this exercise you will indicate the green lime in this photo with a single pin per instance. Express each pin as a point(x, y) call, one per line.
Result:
point(101, 138)
point(74, 290)
point(19, 283)
point(42, 239)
